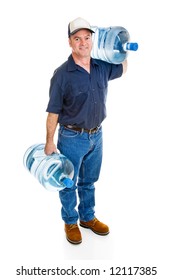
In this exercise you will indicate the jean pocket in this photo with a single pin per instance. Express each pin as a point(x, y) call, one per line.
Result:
point(67, 132)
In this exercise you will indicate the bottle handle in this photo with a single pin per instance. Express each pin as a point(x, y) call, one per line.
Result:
point(48, 163)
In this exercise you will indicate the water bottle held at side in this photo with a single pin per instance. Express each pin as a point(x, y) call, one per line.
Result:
point(55, 172)
point(112, 44)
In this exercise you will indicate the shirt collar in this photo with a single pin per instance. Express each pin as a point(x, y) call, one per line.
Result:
point(72, 66)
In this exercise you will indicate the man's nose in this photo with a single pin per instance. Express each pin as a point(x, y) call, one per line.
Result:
point(83, 42)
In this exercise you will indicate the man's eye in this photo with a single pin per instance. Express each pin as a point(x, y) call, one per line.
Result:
point(88, 38)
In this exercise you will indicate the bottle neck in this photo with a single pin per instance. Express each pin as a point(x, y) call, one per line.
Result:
point(130, 46)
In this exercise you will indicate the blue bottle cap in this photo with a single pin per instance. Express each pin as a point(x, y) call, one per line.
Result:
point(67, 182)
point(132, 46)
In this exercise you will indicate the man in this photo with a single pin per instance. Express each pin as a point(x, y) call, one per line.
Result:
point(77, 103)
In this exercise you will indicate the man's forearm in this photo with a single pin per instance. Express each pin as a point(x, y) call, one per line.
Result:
point(51, 125)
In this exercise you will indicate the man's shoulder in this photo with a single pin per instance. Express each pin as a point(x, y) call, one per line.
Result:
point(101, 63)
point(61, 68)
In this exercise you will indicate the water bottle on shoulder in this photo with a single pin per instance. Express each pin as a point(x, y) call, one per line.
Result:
point(55, 172)
point(111, 44)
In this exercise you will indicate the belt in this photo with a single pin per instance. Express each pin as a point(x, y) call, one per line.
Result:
point(90, 131)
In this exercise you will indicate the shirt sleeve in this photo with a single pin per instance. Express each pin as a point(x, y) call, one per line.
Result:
point(55, 97)
point(111, 71)
point(116, 71)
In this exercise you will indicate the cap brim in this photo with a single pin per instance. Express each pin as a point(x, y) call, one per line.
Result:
point(72, 33)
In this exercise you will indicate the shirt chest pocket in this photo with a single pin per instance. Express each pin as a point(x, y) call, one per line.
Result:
point(77, 96)
point(102, 84)
point(76, 90)
point(102, 90)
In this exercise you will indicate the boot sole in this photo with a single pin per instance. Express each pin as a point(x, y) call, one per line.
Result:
point(73, 242)
point(99, 233)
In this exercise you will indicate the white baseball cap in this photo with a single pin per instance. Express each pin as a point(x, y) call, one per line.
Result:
point(78, 24)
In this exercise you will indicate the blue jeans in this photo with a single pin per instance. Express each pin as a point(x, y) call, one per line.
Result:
point(85, 152)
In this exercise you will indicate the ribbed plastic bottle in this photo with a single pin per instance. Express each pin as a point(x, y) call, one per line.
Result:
point(54, 172)
point(112, 44)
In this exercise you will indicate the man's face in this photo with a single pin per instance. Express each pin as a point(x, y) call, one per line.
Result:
point(81, 43)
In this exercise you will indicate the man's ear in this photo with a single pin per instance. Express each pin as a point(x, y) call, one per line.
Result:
point(69, 41)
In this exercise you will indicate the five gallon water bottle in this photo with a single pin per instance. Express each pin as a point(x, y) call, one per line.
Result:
point(112, 44)
point(55, 172)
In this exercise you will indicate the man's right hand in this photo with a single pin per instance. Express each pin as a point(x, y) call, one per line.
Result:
point(50, 148)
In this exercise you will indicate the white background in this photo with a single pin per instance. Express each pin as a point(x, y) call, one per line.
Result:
point(133, 195)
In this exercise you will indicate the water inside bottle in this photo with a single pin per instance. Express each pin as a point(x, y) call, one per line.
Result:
point(109, 44)
point(120, 40)
point(54, 172)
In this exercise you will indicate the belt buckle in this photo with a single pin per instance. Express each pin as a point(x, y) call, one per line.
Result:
point(93, 130)
point(97, 128)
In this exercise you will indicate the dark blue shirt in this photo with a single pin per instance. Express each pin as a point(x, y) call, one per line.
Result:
point(79, 97)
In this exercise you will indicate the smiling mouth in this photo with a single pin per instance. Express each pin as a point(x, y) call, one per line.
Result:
point(83, 48)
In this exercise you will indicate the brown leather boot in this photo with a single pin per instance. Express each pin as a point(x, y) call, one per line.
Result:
point(73, 233)
point(96, 226)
